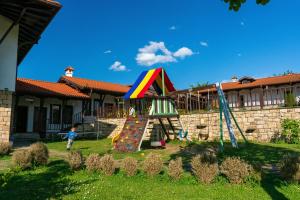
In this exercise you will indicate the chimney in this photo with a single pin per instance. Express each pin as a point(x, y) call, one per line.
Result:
point(234, 79)
point(69, 71)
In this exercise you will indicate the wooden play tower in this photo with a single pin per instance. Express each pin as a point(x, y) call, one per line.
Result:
point(148, 96)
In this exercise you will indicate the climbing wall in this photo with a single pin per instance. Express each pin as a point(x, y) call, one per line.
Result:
point(132, 134)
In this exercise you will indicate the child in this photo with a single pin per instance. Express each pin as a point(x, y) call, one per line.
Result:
point(71, 136)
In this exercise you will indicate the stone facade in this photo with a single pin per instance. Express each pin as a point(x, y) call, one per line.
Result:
point(6, 101)
point(257, 125)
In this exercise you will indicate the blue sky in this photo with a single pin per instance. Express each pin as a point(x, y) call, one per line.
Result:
point(196, 41)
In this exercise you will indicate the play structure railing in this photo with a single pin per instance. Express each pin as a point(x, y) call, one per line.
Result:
point(162, 106)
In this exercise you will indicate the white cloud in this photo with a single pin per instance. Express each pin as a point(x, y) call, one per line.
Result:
point(118, 67)
point(183, 52)
point(173, 28)
point(107, 51)
point(204, 44)
point(148, 55)
point(157, 52)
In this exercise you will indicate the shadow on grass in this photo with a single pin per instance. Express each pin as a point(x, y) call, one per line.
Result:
point(257, 155)
point(43, 183)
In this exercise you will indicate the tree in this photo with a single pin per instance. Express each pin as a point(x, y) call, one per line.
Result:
point(236, 4)
point(199, 85)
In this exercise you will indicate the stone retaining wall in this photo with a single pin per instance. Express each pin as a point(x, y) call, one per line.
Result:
point(257, 125)
point(111, 127)
point(5, 115)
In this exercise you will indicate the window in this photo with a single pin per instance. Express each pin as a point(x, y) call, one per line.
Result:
point(55, 114)
point(67, 114)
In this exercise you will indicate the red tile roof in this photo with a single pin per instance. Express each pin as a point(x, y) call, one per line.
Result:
point(260, 82)
point(95, 85)
point(43, 88)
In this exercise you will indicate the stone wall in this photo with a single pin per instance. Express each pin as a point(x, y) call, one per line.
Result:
point(257, 125)
point(5, 115)
point(111, 127)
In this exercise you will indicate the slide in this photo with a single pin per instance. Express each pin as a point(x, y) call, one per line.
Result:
point(130, 138)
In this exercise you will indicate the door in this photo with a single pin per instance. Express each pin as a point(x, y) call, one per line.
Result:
point(21, 117)
point(40, 119)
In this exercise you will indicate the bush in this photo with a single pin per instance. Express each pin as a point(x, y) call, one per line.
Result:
point(205, 167)
point(290, 100)
point(108, 165)
point(22, 159)
point(153, 164)
point(40, 153)
point(235, 169)
point(290, 167)
point(175, 169)
point(129, 166)
point(75, 160)
point(291, 130)
point(5, 148)
point(93, 162)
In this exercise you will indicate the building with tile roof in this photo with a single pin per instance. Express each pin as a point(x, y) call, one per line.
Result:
point(22, 23)
point(246, 93)
point(51, 107)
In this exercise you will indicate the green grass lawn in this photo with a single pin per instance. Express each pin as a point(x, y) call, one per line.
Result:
point(56, 181)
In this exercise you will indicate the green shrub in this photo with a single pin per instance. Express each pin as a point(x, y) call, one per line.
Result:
point(153, 164)
point(75, 160)
point(205, 167)
point(290, 167)
point(93, 162)
point(291, 130)
point(235, 169)
point(22, 159)
point(5, 148)
point(129, 166)
point(290, 100)
point(108, 165)
point(175, 169)
point(40, 153)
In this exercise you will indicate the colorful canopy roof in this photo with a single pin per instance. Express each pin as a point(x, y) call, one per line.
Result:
point(146, 79)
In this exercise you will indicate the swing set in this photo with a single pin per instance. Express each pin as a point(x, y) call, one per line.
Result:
point(225, 109)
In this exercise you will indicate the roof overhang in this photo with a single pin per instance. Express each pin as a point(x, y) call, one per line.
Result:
point(32, 16)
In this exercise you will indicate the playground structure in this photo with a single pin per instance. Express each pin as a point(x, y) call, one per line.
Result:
point(149, 107)
point(224, 108)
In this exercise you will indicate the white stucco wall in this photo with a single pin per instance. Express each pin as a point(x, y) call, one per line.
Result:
point(8, 55)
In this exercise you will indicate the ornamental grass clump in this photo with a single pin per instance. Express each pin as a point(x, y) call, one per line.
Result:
point(175, 169)
point(22, 159)
point(75, 160)
point(153, 164)
point(236, 169)
point(108, 165)
point(40, 153)
point(290, 167)
point(129, 166)
point(93, 162)
point(5, 148)
point(205, 167)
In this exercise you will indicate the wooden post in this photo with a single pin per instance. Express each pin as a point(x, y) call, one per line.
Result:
point(261, 98)
point(41, 132)
point(61, 114)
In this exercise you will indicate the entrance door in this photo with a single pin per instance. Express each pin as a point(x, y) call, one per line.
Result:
point(40, 119)
point(22, 117)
